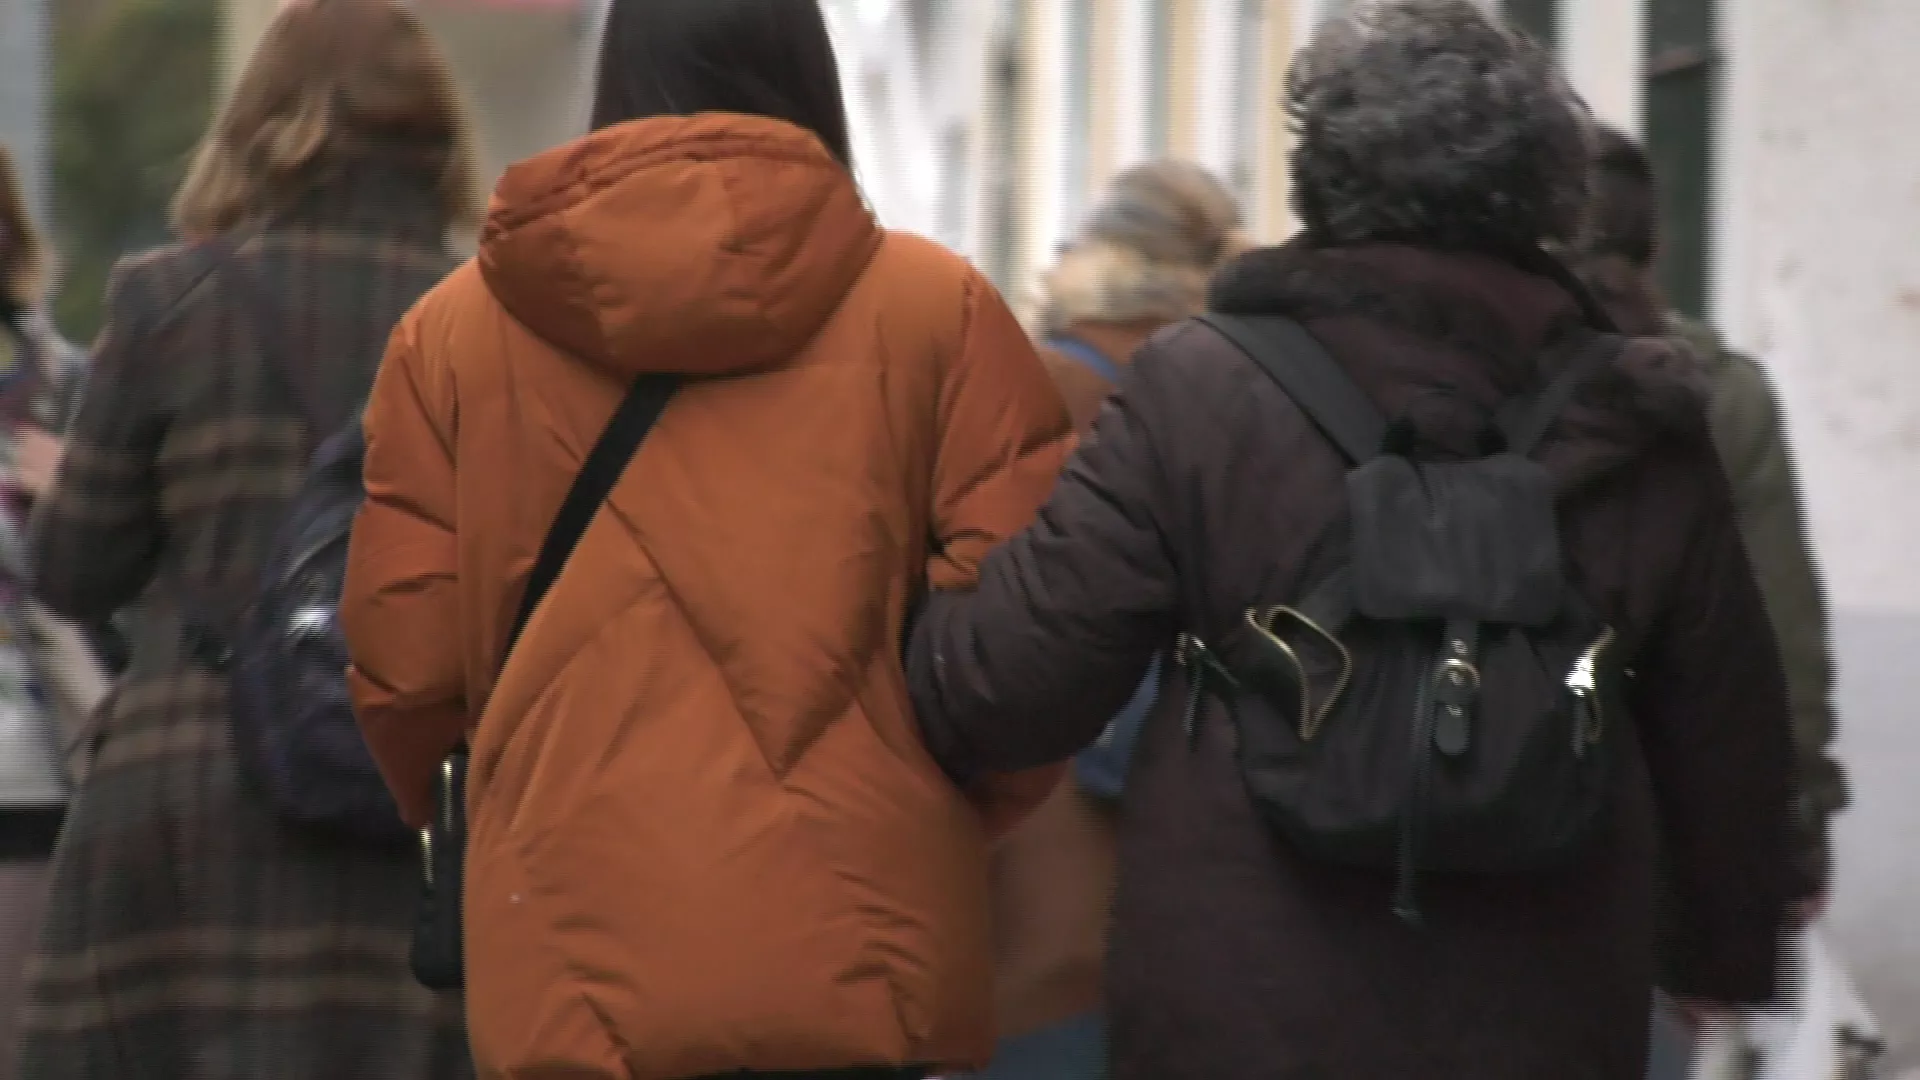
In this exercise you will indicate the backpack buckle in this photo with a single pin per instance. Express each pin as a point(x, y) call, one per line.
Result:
point(1457, 677)
point(1456, 684)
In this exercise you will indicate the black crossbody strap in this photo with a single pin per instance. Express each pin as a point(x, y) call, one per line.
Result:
point(1310, 376)
point(609, 458)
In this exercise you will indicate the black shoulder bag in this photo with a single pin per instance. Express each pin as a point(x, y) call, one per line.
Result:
point(438, 959)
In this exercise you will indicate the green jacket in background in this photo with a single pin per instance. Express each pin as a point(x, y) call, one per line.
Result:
point(1749, 433)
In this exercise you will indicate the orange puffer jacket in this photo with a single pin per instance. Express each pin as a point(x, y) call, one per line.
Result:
point(705, 833)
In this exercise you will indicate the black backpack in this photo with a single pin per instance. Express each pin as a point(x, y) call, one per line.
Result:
point(281, 648)
point(293, 721)
point(1439, 697)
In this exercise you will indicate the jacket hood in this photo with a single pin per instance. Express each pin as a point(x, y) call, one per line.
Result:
point(705, 245)
point(1481, 329)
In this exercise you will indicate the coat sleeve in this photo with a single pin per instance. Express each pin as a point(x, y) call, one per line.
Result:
point(401, 605)
point(1030, 667)
point(1750, 435)
point(1002, 434)
point(96, 535)
point(1711, 706)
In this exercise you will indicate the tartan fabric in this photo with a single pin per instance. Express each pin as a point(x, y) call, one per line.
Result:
point(190, 935)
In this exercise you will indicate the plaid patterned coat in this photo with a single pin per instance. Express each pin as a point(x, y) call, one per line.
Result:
point(190, 936)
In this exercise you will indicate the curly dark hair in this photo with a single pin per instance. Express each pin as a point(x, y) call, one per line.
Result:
point(1428, 122)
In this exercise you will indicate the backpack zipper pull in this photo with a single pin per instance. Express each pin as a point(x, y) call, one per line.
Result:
point(1202, 666)
point(1406, 901)
point(1183, 653)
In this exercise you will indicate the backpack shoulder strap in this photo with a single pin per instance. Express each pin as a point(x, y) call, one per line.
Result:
point(1310, 376)
point(1527, 420)
point(1088, 356)
point(618, 444)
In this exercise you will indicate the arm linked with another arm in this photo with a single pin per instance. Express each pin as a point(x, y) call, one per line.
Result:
point(1031, 665)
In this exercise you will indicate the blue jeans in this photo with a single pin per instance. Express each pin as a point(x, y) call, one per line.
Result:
point(1074, 1049)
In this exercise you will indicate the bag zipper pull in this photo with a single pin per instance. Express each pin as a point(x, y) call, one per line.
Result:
point(1183, 653)
point(1202, 666)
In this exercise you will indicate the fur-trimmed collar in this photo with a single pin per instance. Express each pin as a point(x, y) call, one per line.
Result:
point(1478, 317)
point(1468, 302)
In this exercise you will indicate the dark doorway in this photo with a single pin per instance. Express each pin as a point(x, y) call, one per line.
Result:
point(1682, 109)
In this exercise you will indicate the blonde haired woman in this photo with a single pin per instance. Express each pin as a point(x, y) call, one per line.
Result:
point(191, 933)
point(1140, 262)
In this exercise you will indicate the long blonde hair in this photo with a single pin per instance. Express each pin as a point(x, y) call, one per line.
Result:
point(23, 256)
point(329, 77)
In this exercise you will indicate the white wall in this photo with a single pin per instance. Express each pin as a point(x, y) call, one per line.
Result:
point(1219, 46)
point(1044, 68)
point(892, 130)
point(1814, 265)
point(1603, 42)
point(1821, 270)
point(1131, 84)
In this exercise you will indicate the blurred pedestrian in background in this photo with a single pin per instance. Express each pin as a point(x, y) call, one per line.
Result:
point(1618, 256)
point(192, 933)
point(41, 380)
point(1140, 262)
point(705, 835)
point(42, 658)
point(1435, 153)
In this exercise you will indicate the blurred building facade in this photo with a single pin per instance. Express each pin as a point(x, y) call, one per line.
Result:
point(989, 124)
point(1789, 201)
point(25, 64)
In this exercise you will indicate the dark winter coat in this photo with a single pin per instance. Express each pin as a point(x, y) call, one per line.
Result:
point(1202, 493)
point(1750, 432)
point(191, 935)
point(1053, 874)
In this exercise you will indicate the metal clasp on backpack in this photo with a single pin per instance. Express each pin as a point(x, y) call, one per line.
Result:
point(1263, 621)
point(1584, 684)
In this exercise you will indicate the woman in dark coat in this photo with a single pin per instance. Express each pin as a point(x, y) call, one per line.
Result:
point(1435, 153)
point(191, 935)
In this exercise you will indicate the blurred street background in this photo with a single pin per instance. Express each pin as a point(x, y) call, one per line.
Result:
point(1792, 201)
